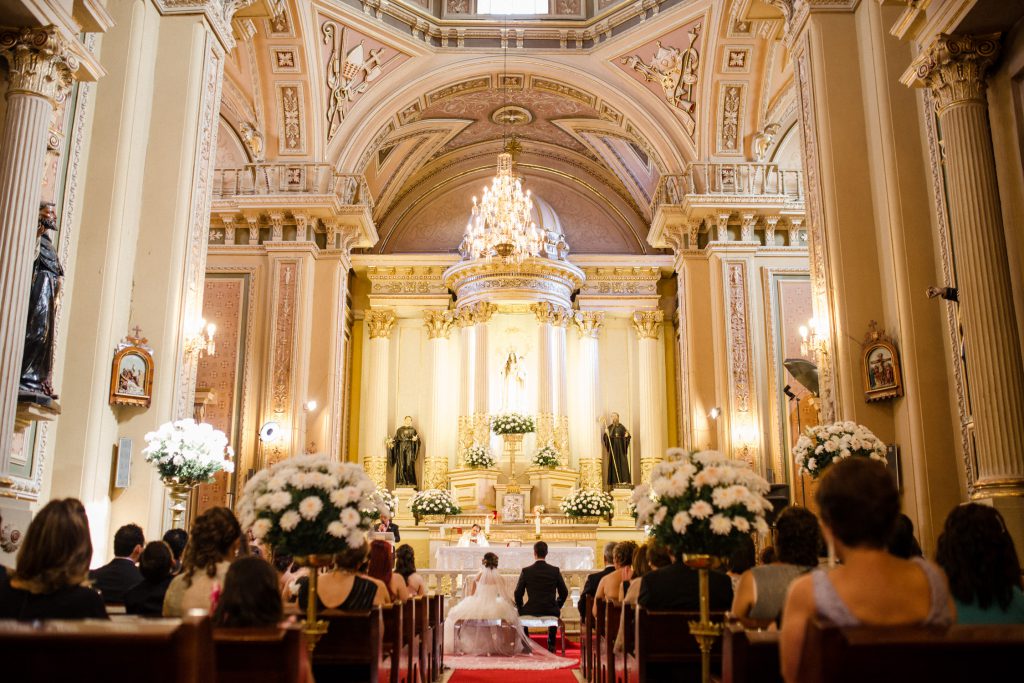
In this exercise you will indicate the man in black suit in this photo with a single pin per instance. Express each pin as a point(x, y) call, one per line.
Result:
point(120, 575)
point(545, 589)
point(677, 587)
point(590, 587)
point(385, 525)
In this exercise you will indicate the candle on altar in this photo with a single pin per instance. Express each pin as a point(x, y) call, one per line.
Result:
point(487, 526)
point(536, 523)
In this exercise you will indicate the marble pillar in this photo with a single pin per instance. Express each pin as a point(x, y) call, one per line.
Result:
point(379, 324)
point(955, 69)
point(40, 68)
point(464, 438)
point(647, 325)
point(551, 365)
point(438, 442)
point(588, 325)
point(481, 380)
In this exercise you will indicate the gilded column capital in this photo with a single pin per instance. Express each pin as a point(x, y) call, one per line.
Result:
point(648, 323)
point(438, 323)
point(589, 323)
point(550, 313)
point(955, 68)
point(483, 311)
point(463, 316)
point(380, 323)
point(39, 62)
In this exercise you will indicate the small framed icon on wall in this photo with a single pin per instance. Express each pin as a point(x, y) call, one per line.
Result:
point(131, 374)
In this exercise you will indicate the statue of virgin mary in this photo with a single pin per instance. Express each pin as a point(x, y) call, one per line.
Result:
point(513, 393)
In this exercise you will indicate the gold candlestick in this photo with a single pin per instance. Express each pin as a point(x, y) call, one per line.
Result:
point(704, 631)
point(313, 628)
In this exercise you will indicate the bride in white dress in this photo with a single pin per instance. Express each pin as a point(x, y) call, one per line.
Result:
point(488, 599)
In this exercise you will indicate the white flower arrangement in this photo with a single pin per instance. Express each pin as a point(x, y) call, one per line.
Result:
point(386, 502)
point(512, 423)
point(479, 457)
point(547, 456)
point(188, 453)
point(588, 503)
point(310, 505)
point(434, 502)
point(701, 502)
point(822, 445)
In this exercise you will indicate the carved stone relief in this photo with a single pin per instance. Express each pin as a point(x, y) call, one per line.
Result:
point(349, 72)
point(731, 103)
point(291, 114)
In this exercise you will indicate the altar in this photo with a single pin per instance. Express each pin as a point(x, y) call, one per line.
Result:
point(453, 558)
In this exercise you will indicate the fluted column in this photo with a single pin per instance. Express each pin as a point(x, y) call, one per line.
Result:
point(379, 323)
point(652, 390)
point(481, 380)
point(589, 324)
point(464, 438)
point(551, 365)
point(955, 69)
point(435, 462)
point(40, 67)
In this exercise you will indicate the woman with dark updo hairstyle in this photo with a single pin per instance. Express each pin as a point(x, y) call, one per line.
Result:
point(405, 566)
point(859, 504)
point(343, 587)
point(213, 543)
point(979, 557)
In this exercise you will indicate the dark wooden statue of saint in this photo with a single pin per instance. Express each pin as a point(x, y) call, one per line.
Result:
point(37, 361)
point(616, 440)
point(402, 452)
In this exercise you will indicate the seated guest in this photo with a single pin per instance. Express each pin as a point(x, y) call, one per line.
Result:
point(386, 525)
point(637, 568)
point(859, 504)
point(544, 588)
point(610, 587)
point(903, 543)
point(677, 587)
point(980, 559)
point(115, 578)
point(289, 575)
point(250, 598)
point(156, 565)
point(762, 590)
point(405, 566)
point(743, 558)
point(216, 536)
point(48, 581)
point(768, 556)
point(381, 567)
point(176, 539)
point(342, 587)
point(646, 559)
point(590, 586)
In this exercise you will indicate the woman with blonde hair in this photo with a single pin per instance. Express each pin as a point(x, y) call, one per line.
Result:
point(213, 543)
point(52, 568)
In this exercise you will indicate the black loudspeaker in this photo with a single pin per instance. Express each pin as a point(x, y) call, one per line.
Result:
point(778, 496)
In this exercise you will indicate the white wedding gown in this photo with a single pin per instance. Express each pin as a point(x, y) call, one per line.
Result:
point(491, 600)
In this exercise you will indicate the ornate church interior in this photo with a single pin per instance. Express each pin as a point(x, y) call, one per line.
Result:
point(506, 263)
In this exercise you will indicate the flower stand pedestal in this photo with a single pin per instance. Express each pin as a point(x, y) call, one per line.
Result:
point(473, 489)
point(403, 516)
point(621, 517)
point(550, 486)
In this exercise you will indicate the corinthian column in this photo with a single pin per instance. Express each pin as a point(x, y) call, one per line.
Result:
point(40, 67)
point(464, 438)
point(652, 390)
point(551, 423)
point(438, 443)
point(379, 323)
point(955, 70)
point(482, 312)
point(589, 324)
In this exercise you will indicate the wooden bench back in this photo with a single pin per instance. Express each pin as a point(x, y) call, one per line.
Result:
point(880, 654)
point(170, 651)
point(750, 656)
point(268, 655)
point(352, 648)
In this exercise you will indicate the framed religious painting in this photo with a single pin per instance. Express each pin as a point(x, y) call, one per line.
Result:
point(131, 374)
point(883, 377)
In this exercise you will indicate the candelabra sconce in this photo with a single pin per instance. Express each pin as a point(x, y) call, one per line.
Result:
point(199, 339)
point(814, 338)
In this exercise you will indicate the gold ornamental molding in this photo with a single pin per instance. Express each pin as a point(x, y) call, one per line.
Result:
point(533, 280)
point(380, 323)
point(438, 323)
point(39, 62)
point(589, 323)
point(648, 323)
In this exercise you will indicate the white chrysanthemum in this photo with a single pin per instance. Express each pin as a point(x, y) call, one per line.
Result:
point(350, 517)
point(701, 509)
point(261, 527)
point(721, 525)
point(310, 507)
point(290, 520)
point(680, 521)
point(741, 524)
point(337, 529)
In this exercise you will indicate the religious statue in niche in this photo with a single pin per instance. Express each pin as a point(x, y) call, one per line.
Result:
point(616, 440)
point(37, 361)
point(513, 375)
point(403, 449)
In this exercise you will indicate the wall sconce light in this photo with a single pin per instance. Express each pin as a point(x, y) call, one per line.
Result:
point(814, 337)
point(199, 339)
point(714, 413)
point(310, 405)
point(270, 432)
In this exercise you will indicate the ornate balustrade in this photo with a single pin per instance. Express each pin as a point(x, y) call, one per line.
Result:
point(733, 180)
point(290, 178)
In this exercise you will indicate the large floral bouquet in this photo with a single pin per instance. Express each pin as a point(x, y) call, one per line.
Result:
point(434, 502)
point(587, 503)
point(547, 456)
point(704, 502)
point(512, 423)
point(385, 502)
point(309, 505)
point(479, 457)
point(822, 445)
point(188, 453)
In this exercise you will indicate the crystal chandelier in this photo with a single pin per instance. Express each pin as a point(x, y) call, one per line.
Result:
point(501, 224)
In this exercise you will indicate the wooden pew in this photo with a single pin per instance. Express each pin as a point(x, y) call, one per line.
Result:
point(165, 651)
point(628, 637)
point(411, 639)
point(267, 655)
point(425, 624)
point(437, 616)
point(664, 649)
point(352, 649)
point(890, 654)
point(587, 638)
point(606, 641)
point(395, 650)
point(750, 656)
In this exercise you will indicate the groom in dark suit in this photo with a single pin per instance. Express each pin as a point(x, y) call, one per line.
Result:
point(545, 589)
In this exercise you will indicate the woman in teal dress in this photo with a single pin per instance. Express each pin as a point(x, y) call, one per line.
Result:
point(979, 557)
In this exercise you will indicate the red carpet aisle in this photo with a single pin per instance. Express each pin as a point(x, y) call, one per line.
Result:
point(506, 670)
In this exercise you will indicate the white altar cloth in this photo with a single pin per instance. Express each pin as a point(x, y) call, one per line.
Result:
point(453, 558)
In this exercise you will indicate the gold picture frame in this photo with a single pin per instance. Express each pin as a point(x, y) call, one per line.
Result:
point(131, 373)
point(880, 366)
